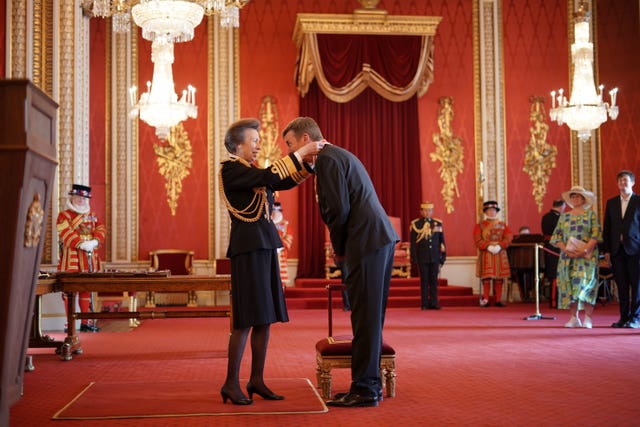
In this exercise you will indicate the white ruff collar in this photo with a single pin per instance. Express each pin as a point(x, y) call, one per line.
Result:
point(78, 209)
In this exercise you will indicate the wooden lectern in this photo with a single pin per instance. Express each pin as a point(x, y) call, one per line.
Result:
point(27, 167)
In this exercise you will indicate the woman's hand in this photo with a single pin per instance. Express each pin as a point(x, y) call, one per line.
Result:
point(310, 149)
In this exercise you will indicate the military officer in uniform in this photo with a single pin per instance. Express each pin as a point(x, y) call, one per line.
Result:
point(428, 250)
point(80, 234)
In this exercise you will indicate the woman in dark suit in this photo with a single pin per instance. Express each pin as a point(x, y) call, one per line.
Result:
point(257, 299)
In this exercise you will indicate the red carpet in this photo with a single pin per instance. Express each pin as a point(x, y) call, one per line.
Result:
point(403, 292)
point(108, 400)
point(459, 366)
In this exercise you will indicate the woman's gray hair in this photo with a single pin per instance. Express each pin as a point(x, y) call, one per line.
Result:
point(235, 133)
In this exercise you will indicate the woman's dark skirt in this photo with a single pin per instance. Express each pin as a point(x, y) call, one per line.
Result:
point(256, 290)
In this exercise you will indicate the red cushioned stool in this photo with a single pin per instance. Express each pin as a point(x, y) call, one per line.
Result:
point(335, 352)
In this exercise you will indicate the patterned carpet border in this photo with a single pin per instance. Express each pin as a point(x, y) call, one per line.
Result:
point(103, 400)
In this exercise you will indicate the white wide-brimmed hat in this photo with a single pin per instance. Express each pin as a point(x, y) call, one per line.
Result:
point(589, 197)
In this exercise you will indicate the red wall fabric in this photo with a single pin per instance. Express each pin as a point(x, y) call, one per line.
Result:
point(188, 228)
point(267, 27)
point(97, 152)
point(453, 76)
point(618, 52)
point(535, 62)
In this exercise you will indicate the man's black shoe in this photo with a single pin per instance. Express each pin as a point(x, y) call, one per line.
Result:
point(338, 396)
point(435, 307)
point(353, 400)
point(89, 328)
point(619, 324)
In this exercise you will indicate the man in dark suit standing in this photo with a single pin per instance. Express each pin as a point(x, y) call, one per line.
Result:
point(428, 251)
point(549, 222)
point(622, 248)
point(363, 240)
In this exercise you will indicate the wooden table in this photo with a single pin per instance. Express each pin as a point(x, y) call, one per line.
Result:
point(133, 282)
point(37, 339)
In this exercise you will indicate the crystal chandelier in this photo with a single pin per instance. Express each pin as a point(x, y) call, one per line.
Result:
point(585, 111)
point(159, 105)
point(121, 10)
point(164, 22)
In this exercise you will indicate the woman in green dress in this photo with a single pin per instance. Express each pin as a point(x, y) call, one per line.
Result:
point(577, 235)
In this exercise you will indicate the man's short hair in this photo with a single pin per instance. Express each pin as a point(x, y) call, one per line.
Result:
point(630, 174)
point(301, 125)
point(557, 203)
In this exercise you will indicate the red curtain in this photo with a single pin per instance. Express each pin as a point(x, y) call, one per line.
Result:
point(383, 134)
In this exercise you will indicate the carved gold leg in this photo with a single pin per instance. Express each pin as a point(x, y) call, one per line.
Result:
point(151, 299)
point(133, 307)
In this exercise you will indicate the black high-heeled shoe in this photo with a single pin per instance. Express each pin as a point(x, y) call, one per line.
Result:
point(225, 396)
point(266, 395)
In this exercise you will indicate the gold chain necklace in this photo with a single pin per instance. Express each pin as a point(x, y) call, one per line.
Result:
point(255, 206)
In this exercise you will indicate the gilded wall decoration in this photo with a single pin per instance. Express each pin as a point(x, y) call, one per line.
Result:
point(540, 156)
point(174, 159)
point(448, 152)
point(269, 129)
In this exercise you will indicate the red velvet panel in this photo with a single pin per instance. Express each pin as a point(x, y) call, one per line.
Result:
point(97, 153)
point(188, 228)
point(618, 52)
point(535, 62)
point(342, 57)
point(377, 131)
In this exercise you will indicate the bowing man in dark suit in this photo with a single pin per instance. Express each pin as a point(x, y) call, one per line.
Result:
point(428, 251)
point(256, 290)
point(363, 240)
point(622, 248)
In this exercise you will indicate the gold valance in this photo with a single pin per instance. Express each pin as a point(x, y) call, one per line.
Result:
point(372, 22)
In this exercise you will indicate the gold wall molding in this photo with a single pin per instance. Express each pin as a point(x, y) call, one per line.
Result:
point(448, 152)
point(66, 98)
point(223, 109)
point(174, 159)
point(364, 21)
point(17, 68)
point(121, 139)
point(269, 130)
point(488, 79)
point(540, 156)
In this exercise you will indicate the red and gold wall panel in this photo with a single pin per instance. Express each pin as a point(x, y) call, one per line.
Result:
point(535, 62)
point(188, 229)
point(618, 51)
point(267, 28)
